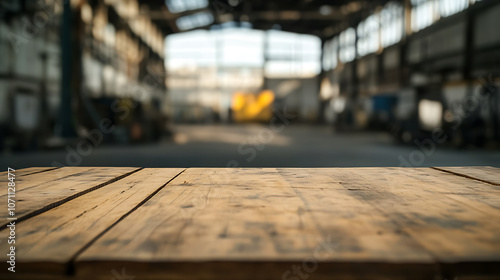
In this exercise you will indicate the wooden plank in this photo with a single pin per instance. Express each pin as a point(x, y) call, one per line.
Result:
point(364, 231)
point(366, 223)
point(241, 223)
point(450, 216)
point(40, 192)
point(25, 172)
point(476, 195)
point(47, 243)
point(486, 174)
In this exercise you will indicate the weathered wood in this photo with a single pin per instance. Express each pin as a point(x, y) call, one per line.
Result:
point(209, 223)
point(444, 213)
point(454, 218)
point(200, 206)
point(481, 173)
point(222, 223)
point(49, 241)
point(20, 173)
point(36, 194)
point(361, 231)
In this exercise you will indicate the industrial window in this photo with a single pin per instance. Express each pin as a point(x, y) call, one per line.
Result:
point(347, 42)
point(391, 19)
point(190, 50)
point(450, 7)
point(239, 47)
point(424, 13)
point(330, 54)
point(368, 35)
point(289, 54)
point(204, 64)
point(178, 6)
point(292, 55)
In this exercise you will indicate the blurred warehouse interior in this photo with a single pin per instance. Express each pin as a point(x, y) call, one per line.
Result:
point(407, 67)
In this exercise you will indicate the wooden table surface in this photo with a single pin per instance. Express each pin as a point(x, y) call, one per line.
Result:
point(256, 223)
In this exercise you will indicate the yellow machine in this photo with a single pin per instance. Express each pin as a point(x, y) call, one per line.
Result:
point(249, 107)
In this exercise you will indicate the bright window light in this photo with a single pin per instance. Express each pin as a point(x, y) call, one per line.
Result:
point(423, 13)
point(347, 50)
point(178, 6)
point(195, 20)
point(240, 47)
point(368, 35)
point(288, 54)
point(292, 55)
point(330, 54)
point(216, 48)
point(290, 69)
point(190, 49)
point(391, 20)
point(450, 7)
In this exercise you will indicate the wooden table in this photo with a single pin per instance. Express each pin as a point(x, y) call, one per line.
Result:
point(262, 223)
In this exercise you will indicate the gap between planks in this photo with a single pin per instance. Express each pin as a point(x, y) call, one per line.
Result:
point(67, 199)
point(71, 264)
point(284, 231)
point(396, 214)
point(25, 172)
point(43, 231)
point(465, 176)
point(40, 171)
point(151, 196)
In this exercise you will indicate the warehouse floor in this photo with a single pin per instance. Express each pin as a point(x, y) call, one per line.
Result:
point(260, 146)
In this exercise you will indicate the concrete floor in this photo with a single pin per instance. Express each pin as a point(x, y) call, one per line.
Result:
point(259, 146)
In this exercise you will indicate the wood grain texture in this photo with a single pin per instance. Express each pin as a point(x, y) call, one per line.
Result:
point(481, 173)
point(264, 223)
point(40, 192)
point(25, 172)
point(361, 231)
point(49, 241)
point(453, 218)
point(232, 223)
point(259, 214)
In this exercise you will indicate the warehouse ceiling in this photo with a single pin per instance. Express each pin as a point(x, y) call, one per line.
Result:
point(323, 18)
